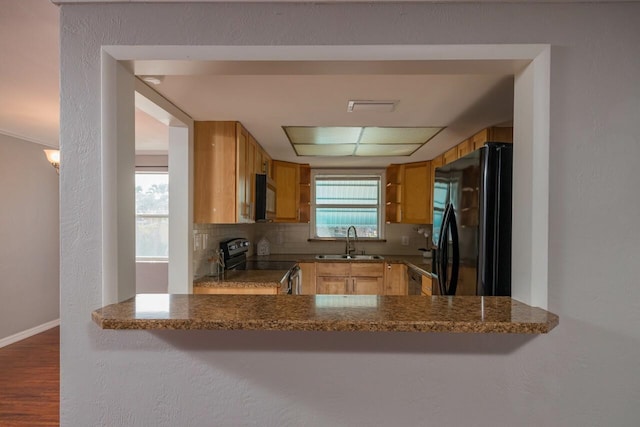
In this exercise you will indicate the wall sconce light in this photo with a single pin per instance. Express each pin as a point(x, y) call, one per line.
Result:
point(54, 158)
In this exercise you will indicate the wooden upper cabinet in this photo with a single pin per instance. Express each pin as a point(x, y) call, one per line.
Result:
point(304, 204)
point(416, 193)
point(492, 134)
point(450, 155)
point(215, 170)
point(465, 147)
point(224, 173)
point(287, 178)
point(393, 194)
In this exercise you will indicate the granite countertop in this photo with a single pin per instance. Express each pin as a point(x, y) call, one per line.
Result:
point(417, 261)
point(243, 279)
point(326, 313)
point(270, 278)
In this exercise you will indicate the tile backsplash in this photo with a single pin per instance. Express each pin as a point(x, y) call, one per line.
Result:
point(293, 238)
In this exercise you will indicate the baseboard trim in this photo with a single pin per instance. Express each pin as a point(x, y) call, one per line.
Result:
point(28, 333)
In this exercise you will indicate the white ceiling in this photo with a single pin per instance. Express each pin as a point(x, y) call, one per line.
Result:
point(265, 103)
point(29, 70)
point(464, 98)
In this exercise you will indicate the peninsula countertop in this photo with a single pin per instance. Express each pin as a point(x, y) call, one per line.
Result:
point(326, 313)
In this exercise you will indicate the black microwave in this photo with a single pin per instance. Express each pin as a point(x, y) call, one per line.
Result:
point(265, 198)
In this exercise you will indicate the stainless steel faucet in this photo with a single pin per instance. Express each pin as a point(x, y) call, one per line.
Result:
point(351, 247)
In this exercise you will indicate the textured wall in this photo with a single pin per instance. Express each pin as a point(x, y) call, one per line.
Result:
point(586, 372)
point(29, 237)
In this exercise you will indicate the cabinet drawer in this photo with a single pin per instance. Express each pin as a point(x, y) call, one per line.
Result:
point(332, 269)
point(369, 269)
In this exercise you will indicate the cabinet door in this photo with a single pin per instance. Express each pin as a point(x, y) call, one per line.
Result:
point(464, 148)
point(427, 286)
point(395, 279)
point(467, 281)
point(416, 199)
point(286, 178)
point(332, 284)
point(366, 285)
point(451, 155)
point(242, 141)
point(308, 277)
point(250, 181)
point(214, 182)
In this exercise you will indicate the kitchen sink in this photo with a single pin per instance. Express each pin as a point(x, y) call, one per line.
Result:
point(354, 257)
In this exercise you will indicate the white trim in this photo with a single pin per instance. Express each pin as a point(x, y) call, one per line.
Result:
point(28, 139)
point(28, 333)
point(531, 128)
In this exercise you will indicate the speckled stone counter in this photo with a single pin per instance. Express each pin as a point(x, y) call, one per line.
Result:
point(326, 313)
point(243, 279)
point(417, 261)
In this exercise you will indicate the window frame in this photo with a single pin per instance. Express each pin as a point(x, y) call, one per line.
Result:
point(153, 170)
point(347, 174)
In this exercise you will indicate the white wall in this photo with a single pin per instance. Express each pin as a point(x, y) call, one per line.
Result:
point(586, 372)
point(29, 237)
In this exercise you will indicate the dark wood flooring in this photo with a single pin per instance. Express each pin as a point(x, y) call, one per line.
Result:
point(30, 381)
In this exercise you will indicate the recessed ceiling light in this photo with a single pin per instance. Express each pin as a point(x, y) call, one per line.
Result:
point(371, 106)
point(370, 141)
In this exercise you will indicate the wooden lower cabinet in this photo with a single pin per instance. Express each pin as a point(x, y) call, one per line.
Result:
point(357, 278)
point(395, 279)
point(308, 278)
point(332, 285)
point(467, 281)
point(427, 285)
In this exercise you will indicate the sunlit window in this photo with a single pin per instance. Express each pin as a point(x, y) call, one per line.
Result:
point(152, 216)
point(341, 201)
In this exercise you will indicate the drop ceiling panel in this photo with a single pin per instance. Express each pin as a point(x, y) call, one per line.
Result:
point(323, 135)
point(325, 150)
point(386, 149)
point(395, 135)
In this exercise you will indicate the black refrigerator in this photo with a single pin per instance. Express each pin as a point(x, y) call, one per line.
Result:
point(472, 223)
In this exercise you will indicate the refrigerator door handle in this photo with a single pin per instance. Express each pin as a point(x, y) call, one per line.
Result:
point(455, 267)
point(443, 248)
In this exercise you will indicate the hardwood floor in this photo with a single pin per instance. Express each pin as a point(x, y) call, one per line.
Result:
point(30, 381)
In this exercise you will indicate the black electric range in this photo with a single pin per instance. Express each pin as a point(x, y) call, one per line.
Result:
point(234, 252)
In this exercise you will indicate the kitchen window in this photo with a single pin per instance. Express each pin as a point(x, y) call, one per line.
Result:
point(152, 216)
point(341, 200)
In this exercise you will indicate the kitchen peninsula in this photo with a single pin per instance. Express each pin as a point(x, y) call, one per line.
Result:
point(369, 313)
point(381, 313)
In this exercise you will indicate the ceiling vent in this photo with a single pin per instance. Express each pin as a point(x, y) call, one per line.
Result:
point(371, 106)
